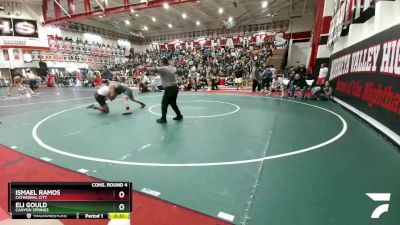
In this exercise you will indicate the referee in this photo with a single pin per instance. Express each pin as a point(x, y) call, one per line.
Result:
point(168, 82)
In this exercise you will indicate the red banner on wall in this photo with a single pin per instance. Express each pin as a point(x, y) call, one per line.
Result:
point(279, 39)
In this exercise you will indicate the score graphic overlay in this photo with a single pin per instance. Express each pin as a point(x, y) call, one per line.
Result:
point(72, 200)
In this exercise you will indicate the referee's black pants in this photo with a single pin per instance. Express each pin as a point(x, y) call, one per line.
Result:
point(169, 98)
point(255, 85)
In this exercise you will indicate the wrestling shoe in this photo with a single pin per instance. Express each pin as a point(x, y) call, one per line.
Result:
point(127, 113)
point(178, 117)
point(90, 106)
point(161, 120)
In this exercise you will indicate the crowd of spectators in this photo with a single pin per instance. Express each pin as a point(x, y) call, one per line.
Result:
point(206, 68)
point(203, 69)
point(197, 69)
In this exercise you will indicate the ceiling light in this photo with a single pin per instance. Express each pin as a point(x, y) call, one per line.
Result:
point(170, 25)
point(154, 19)
point(132, 10)
point(220, 10)
point(137, 15)
point(145, 28)
point(184, 15)
point(198, 23)
point(264, 4)
point(100, 16)
point(127, 22)
point(230, 19)
point(166, 6)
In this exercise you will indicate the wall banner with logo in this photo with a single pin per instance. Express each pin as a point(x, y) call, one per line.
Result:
point(18, 28)
point(279, 39)
point(367, 77)
point(20, 33)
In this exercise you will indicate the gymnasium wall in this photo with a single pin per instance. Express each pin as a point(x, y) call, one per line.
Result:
point(365, 69)
point(299, 49)
point(298, 53)
point(386, 14)
point(11, 53)
point(140, 48)
point(301, 24)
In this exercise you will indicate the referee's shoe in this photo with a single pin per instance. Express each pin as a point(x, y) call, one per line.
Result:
point(179, 117)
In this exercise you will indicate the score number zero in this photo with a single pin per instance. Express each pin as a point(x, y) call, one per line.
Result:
point(121, 195)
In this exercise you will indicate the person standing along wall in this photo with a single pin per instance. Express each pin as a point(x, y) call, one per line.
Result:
point(323, 73)
point(254, 76)
point(239, 76)
point(107, 75)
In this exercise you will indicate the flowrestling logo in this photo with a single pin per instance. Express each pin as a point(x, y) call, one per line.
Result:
point(379, 197)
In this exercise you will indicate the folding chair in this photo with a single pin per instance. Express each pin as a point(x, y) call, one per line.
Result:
point(285, 83)
point(309, 83)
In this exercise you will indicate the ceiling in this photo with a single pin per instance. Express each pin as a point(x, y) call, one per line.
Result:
point(243, 12)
